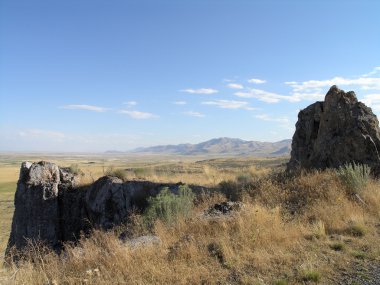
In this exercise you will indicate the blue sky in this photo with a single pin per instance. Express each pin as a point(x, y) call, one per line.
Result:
point(95, 75)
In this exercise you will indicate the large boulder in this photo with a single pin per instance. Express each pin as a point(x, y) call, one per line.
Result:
point(50, 206)
point(337, 131)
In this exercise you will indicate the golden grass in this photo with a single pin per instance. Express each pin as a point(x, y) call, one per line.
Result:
point(288, 229)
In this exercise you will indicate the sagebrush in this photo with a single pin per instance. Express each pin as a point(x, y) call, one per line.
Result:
point(354, 176)
point(168, 207)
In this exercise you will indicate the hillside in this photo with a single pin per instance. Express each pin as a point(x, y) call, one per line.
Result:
point(225, 146)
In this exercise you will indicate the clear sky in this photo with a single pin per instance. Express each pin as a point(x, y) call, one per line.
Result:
point(89, 75)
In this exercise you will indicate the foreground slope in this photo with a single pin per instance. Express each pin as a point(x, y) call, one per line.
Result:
point(307, 229)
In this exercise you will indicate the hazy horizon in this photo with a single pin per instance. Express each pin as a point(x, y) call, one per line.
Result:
point(92, 76)
point(130, 151)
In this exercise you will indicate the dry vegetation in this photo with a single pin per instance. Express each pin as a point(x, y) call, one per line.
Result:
point(291, 230)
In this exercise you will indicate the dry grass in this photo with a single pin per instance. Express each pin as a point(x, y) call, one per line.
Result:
point(296, 230)
point(199, 170)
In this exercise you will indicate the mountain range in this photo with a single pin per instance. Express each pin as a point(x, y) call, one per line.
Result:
point(222, 146)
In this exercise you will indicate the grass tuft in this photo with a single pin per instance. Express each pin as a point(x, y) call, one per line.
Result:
point(357, 230)
point(337, 246)
point(360, 254)
point(311, 276)
point(281, 282)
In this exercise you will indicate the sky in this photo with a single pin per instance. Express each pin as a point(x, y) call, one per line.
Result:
point(96, 75)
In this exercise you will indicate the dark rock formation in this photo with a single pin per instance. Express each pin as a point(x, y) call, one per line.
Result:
point(107, 202)
point(224, 208)
point(51, 208)
point(36, 205)
point(334, 132)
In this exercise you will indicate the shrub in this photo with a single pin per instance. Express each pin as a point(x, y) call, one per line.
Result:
point(359, 254)
point(311, 275)
point(357, 230)
point(354, 177)
point(337, 246)
point(168, 207)
point(74, 169)
point(140, 172)
point(119, 173)
point(244, 178)
point(232, 190)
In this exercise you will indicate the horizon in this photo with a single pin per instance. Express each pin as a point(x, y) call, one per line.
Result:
point(89, 77)
point(131, 151)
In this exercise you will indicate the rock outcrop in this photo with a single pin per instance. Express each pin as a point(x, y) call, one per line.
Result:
point(36, 205)
point(51, 208)
point(334, 132)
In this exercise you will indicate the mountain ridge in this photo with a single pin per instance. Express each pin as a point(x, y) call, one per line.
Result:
point(222, 145)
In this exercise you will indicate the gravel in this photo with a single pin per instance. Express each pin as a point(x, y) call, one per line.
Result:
point(362, 274)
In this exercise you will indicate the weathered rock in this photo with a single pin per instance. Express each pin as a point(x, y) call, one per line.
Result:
point(67, 177)
point(224, 208)
point(107, 202)
point(36, 215)
point(51, 208)
point(334, 132)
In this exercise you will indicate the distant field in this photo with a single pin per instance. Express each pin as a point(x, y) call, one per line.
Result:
point(193, 170)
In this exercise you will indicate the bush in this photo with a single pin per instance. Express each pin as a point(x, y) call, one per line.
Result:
point(119, 173)
point(356, 230)
point(245, 178)
point(140, 172)
point(354, 176)
point(74, 169)
point(311, 275)
point(232, 190)
point(168, 207)
point(337, 246)
point(359, 255)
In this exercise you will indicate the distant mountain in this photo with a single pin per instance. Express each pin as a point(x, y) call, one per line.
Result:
point(223, 146)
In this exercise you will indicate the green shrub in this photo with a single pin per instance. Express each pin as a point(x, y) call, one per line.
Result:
point(359, 254)
point(354, 176)
point(119, 173)
point(337, 246)
point(311, 275)
point(168, 207)
point(357, 230)
point(140, 172)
